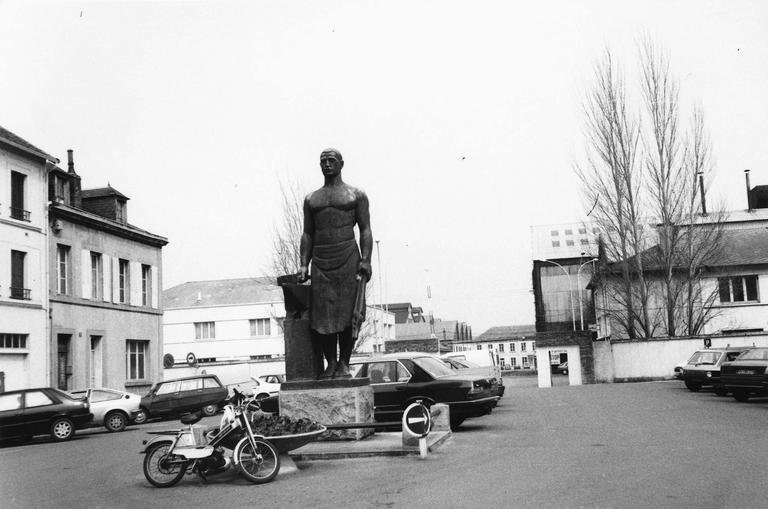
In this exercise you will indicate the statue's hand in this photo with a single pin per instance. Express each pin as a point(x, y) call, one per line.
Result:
point(303, 274)
point(365, 270)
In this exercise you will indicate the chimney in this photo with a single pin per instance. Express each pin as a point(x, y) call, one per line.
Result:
point(703, 196)
point(70, 161)
point(75, 188)
point(749, 194)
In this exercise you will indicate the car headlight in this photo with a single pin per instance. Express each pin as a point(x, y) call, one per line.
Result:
point(709, 374)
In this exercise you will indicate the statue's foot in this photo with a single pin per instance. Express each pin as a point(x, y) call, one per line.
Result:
point(342, 371)
point(329, 371)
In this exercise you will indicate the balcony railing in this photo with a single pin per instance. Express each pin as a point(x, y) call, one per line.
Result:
point(21, 293)
point(20, 214)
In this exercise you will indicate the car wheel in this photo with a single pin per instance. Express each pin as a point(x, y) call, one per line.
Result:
point(741, 396)
point(141, 417)
point(115, 421)
point(693, 386)
point(62, 429)
point(209, 410)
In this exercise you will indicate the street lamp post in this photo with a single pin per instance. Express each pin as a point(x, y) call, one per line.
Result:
point(578, 284)
point(570, 291)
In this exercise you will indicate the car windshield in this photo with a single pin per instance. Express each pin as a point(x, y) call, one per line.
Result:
point(434, 367)
point(705, 358)
point(755, 354)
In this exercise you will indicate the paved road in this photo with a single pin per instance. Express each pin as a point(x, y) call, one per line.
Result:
point(646, 445)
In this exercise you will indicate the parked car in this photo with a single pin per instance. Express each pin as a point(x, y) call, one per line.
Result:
point(703, 368)
point(111, 408)
point(188, 394)
point(399, 379)
point(45, 410)
point(262, 386)
point(747, 375)
point(561, 368)
point(467, 367)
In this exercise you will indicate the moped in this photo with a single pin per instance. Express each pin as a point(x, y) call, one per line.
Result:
point(173, 453)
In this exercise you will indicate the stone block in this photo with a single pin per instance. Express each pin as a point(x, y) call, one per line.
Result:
point(335, 401)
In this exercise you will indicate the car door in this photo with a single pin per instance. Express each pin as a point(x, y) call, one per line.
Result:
point(163, 400)
point(388, 380)
point(213, 391)
point(11, 415)
point(190, 395)
point(39, 409)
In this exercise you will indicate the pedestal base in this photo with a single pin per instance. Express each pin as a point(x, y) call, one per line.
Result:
point(337, 401)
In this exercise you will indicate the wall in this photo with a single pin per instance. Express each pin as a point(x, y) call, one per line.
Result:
point(233, 338)
point(656, 359)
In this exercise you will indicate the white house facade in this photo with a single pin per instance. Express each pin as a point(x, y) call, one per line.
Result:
point(24, 346)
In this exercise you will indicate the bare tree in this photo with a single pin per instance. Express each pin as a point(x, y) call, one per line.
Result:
point(611, 182)
point(286, 233)
point(642, 171)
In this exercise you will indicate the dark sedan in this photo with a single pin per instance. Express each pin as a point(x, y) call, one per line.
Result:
point(29, 412)
point(399, 379)
point(703, 368)
point(747, 375)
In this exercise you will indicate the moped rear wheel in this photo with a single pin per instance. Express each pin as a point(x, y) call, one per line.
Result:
point(160, 467)
point(259, 465)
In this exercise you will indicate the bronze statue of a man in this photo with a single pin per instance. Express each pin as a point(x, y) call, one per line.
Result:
point(339, 269)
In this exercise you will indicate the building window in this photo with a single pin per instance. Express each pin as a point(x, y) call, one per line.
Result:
point(569, 232)
point(738, 289)
point(554, 233)
point(136, 359)
point(97, 276)
point(513, 362)
point(525, 362)
point(511, 347)
point(18, 341)
point(205, 330)
point(522, 346)
point(501, 347)
point(582, 231)
point(533, 346)
point(124, 281)
point(569, 242)
point(584, 242)
point(555, 243)
point(62, 269)
point(17, 276)
point(490, 346)
point(61, 190)
point(260, 327)
point(479, 347)
point(146, 285)
point(18, 181)
point(120, 212)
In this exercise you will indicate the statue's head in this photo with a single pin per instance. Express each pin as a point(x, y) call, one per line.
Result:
point(331, 162)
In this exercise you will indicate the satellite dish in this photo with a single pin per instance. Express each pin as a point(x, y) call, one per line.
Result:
point(168, 361)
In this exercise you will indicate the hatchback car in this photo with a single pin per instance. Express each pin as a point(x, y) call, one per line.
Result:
point(703, 368)
point(747, 375)
point(400, 379)
point(110, 408)
point(29, 412)
point(189, 394)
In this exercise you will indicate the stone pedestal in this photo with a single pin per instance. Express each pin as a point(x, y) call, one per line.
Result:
point(335, 401)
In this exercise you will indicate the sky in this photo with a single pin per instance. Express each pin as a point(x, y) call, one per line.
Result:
point(461, 120)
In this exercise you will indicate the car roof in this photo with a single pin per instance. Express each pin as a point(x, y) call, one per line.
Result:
point(189, 378)
point(395, 356)
point(17, 391)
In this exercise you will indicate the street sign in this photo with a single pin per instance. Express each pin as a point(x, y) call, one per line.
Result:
point(191, 359)
point(417, 420)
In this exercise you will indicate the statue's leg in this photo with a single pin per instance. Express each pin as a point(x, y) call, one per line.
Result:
point(328, 344)
point(346, 344)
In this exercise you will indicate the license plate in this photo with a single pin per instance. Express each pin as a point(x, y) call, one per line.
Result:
point(745, 372)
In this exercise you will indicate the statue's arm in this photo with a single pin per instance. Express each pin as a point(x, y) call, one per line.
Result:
point(305, 247)
point(363, 217)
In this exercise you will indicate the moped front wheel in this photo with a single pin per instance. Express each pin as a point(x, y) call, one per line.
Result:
point(161, 468)
point(260, 464)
